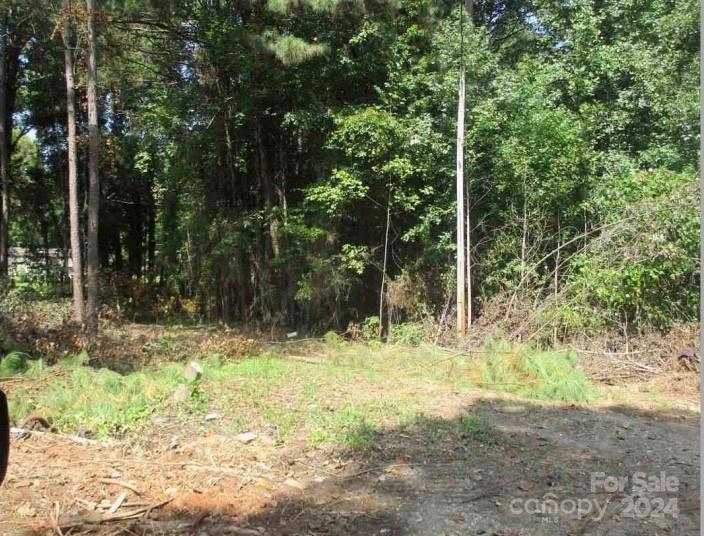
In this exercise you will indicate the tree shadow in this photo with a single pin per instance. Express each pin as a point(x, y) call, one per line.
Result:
point(497, 467)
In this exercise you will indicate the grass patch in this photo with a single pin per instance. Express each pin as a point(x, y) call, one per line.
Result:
point(533, 373)
point(13, 363)
point(357, 432)
point(477, 428)
point(350, 392)
point(352, 425)
point(76, 397)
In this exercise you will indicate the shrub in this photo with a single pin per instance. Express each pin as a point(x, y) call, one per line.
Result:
point(370, 328)
point(643, 269)
point(410, 333)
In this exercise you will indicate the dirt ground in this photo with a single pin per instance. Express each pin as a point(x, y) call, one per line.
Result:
point(538, 469)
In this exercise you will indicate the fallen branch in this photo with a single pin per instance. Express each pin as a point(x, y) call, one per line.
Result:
point(121, 483)
point(118, 502)
point(96, 519)
point(464, 353)
point(303, 359)
point(23, 433)
point(609, 353)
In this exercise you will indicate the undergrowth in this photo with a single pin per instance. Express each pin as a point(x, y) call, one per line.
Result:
point(348, 393)
point(78, 398)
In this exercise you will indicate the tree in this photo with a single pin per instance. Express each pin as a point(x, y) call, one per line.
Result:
point(4, 147)
point(260, 161)
point(92, 257)
point(74, 220)
point(14, 18)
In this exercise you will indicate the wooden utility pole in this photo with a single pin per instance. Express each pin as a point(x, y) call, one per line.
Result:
point(461, 253)
point(92, 257)
point(464, 314)
point(73, 214)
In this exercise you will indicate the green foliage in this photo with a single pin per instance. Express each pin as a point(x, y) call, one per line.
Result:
point(408, 333)
point(37, 282)
point(643, 268)
point(75, 360)
point(370, 328)
point(335, 194)
point(103, 402)
point(251, 155)
point(291, 50)
point(287, 6)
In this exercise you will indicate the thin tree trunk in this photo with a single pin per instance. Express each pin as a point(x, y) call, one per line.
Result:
point(92, 257)
point(73, 213)
point(264, 244)
point(383, 270)
point(556, 282)
point(45, 244)
point(4, 151)
point(461, 294)
point(469, 264)
point(151, 236)
point(267, 179)
point(524, 240)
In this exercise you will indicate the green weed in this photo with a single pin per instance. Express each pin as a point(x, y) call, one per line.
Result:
point(332, 341)
point(350, 425)
point(408, 333)
point(477, 428)
point(358, 432)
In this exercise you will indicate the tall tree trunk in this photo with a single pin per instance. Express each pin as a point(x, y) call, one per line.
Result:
point(151, 234)
point(267, 178)
point(73, 213)
point(468, 229)
point(92, 257)
point(242, 289)
point(135, 235)
point(11, 46)
point(271, 242)
point(461, 270)
point(4, 150)
point(524, 234)
point(556, 281)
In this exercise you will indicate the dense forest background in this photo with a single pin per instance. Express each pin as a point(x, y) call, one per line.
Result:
point(259, 160)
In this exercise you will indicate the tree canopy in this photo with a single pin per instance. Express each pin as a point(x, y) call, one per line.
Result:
point(250, 152)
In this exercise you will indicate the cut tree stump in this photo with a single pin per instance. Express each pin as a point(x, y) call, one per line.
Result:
point(193, 372)
point(182, 393)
